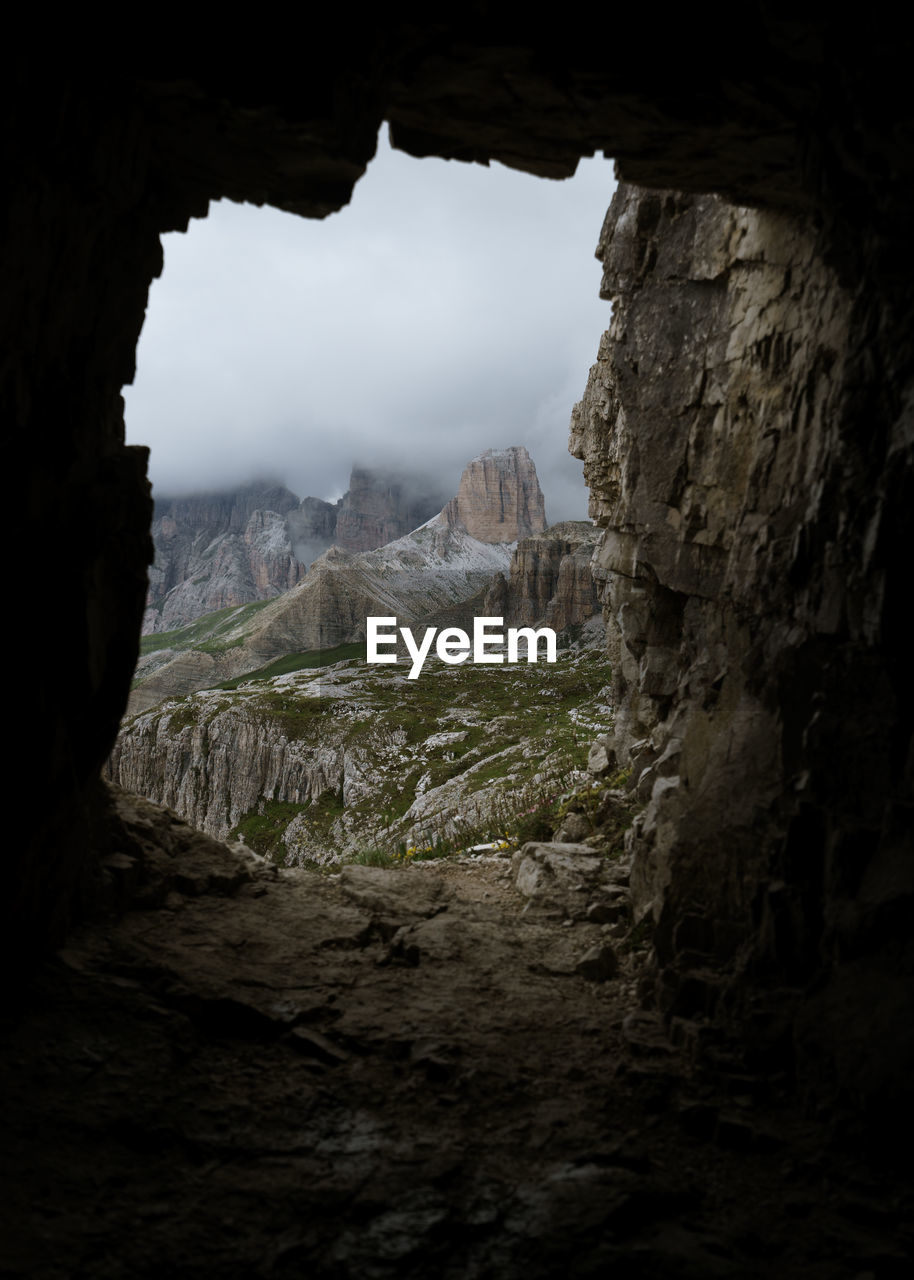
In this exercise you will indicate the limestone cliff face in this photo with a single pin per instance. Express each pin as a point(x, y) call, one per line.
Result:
point(437, 566)
point(499, 498)
point(381, 507)
point(214, 550)
point(420, 574)
point(356, 756)
point(312, 527)
point(222, 511)
point(742, 581)
point(550, 582)
point(215, 768)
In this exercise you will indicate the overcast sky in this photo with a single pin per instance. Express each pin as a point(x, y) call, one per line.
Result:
point(449, 308)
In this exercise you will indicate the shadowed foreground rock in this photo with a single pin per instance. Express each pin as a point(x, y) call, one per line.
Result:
point(389, 1074)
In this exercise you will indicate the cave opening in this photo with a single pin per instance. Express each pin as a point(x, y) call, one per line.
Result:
point(447, 308)
point(777, 788)
point(447, 311)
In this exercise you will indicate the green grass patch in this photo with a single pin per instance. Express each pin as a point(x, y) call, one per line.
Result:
point(374, 858)
point(184, 714)
point(307, 660)
point(207, 633)
point(263, 831)
point(295, 715)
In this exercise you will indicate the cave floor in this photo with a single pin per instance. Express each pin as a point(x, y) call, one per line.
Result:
point(249, 1073)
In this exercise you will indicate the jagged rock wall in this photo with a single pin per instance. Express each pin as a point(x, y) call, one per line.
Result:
point(436, 566)
point(312, 527)
point(550, 580)
point(499, 498)
point(215, 550)
point(743, 584)
point(380, 507)
point(216, 768)
point(197, 571)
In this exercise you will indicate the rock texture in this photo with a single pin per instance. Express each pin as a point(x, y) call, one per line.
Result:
point(215, 550)
point(312, 527)
point(356, 757)
point(550, 582)
point(803, 115)
point(499, 499)
point(390, 1073)
point(381, 507)
point(437, 566)
point(408, 579)
point(742, 586)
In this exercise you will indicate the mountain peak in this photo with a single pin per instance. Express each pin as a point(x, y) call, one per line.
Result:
point(499, 498)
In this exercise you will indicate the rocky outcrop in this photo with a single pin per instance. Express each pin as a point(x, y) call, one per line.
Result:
point(429, 570)
point(436, 567)
point(549, 582)
point(222, 511)
point(312, 527)
point(499, 499)
point(214, 550)
point(381, 507)
point(715, 443)
point(233, 569)
point(356, 757)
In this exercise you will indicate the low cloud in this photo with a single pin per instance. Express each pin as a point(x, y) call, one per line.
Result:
point(448, 309)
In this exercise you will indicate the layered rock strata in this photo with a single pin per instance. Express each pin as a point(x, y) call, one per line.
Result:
point(221, 549)
point(381, 507)
point(437, 566)
point(550, 581)
point(214, 550)
point(356, 756)
point(742, 584)
point(499, 499)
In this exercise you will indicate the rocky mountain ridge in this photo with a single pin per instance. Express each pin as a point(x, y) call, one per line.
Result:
point(315, 766)
point(499, 499)
point(219, 549)
point(381, 506)
point(436, 566)
point(227, 548)
point(549, 583)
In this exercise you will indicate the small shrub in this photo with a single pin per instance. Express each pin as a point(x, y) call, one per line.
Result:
point(373, 858)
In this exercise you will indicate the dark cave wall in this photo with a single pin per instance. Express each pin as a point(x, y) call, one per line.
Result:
point(775, 651)
point(77, 257)
point(749, 569)
point(98, 168)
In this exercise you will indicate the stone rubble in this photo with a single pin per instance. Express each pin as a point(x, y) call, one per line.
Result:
point(239, 1071)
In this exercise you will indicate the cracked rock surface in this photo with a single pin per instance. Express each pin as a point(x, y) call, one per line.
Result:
point(384, 1073)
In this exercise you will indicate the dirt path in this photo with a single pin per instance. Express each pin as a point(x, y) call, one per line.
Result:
point(389, 1074)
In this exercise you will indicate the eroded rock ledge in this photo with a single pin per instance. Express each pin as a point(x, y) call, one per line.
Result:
point(251, 1072)
point(744, 596)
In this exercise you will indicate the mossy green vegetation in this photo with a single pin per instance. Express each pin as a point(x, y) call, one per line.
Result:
point(296, 717)
point(213, 633)
point(464, 755)
point(262, 829)
point(183, 716)
point(493, 748)
point(307, 660)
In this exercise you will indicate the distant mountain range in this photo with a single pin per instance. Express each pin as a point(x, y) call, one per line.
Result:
point(458, 556)
point(227, 548)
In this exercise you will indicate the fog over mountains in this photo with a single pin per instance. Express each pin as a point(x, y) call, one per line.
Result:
point(449, 306)
point(228, 547)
